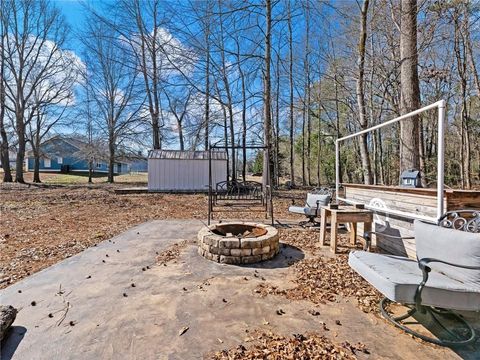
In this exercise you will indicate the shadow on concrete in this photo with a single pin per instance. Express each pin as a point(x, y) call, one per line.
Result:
point(287, 256)
point(10, 343)
point(469, 352)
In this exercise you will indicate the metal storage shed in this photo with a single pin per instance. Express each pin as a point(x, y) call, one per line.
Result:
point(186, 171)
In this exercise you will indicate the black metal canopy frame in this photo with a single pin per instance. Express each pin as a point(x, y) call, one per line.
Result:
point(232, 194)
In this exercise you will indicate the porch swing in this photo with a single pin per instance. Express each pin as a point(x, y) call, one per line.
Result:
point(233, 195)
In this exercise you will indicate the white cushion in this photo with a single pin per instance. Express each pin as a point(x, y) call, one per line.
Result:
point(313, 198)
point(303, 210)
point(454, 246)
point(398, 277)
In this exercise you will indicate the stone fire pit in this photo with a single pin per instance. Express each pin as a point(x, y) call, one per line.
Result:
point(238, 243)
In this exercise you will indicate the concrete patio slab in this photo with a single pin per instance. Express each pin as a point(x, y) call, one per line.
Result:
point(97, 314)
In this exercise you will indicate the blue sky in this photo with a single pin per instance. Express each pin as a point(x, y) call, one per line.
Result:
point(75, 16)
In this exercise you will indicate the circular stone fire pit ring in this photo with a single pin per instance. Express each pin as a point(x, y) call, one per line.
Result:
point(238, 242)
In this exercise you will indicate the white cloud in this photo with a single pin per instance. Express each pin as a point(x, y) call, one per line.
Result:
point(172, 57)
point(52, 72)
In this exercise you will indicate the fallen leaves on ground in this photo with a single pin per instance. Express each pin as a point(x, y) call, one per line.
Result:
point(171, 253)
point(305, 239)
point(311, 346)
point(321, 280)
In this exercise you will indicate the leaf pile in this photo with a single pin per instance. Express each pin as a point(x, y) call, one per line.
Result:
point(171, 253)
point(310, 346)
point(305, 239)
point(321, 280)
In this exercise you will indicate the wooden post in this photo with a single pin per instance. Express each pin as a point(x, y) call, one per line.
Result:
point(333, 232)
point(323, 225)
point(353, 233)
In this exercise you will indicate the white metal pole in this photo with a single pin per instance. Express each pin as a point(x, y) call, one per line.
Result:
point(337, 169)
point(441, 158)
point(397, 119)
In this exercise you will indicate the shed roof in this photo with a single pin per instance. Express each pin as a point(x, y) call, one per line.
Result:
point(186, 155)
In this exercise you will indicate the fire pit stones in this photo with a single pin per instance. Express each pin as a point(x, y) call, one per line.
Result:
point(238, 243)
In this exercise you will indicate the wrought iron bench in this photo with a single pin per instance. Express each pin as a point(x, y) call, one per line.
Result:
point(315, 200)
point(233, 190)
point(444, 279)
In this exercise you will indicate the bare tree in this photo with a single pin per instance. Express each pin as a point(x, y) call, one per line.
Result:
point(50, 102)
point(206, 29)
point(291, 101)
point(366, 165)
point(4, 148)
point(178, 107)
point(112, 85)
point(267, 96)
point(39, 128)
point(410, 88)
point(35, 33)
point(307, 103)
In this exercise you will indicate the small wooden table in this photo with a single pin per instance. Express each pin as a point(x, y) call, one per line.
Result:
point(345, 214)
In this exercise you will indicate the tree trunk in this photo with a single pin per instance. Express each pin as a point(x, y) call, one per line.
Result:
point(111, 159)
point(267, 121)
point(4, 156)
point(207, 97)
point(460, 49)
point(277, 125)
point(337, 118)
point(308, 96)
point(225, 134)
point(36, 150)
point(468, 43)
point(319, 140)
point(228, 92)
point(180, 136)
point(244, 119)
point(36, 166)
point(410, 89)
point(290, 78)
point(304, 171)
point(21, 146)
point(90, 171)
point(366, 165)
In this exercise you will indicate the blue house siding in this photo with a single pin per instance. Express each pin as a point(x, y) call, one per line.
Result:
point(70, 161)
point(75, 165)
point(139, 165)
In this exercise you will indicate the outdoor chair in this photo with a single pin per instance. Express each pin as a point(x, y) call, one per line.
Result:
point(312, 208)
point(444, 279)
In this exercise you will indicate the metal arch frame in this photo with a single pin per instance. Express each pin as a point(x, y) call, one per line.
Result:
point(267, 187)
point(440, 105)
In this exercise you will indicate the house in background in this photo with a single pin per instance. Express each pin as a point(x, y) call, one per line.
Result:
point(138, 163)
point(69, 154)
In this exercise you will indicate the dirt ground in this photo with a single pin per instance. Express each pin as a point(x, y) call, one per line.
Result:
point(41, 225)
